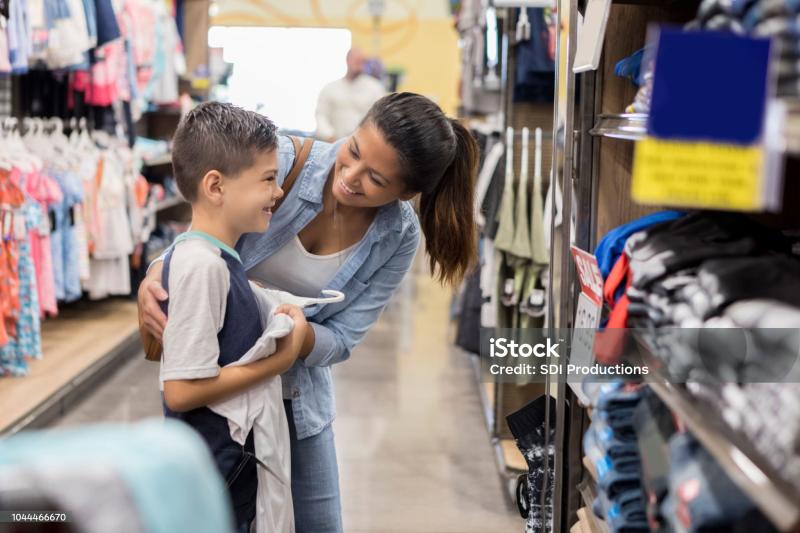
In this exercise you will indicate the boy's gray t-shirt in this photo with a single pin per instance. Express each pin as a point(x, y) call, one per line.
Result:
point(198, 286)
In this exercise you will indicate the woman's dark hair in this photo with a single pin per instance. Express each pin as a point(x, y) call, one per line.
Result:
point(439, 158)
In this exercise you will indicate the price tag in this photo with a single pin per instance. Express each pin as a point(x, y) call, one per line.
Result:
point(587, 315)
point(706, 142)
point(588, 274)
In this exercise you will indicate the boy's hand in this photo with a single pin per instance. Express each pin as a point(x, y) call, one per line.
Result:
point(294, 312)
point(297, 336)
point(150, 294)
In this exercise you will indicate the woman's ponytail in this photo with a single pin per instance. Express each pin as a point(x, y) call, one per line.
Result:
point(446, 213)
point(439, 157)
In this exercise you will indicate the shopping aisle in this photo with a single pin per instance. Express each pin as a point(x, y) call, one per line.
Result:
point(414, 454)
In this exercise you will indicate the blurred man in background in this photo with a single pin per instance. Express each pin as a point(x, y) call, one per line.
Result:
point(343, 103)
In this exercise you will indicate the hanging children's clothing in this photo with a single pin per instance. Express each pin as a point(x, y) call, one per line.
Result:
point(63, 240)
point(27, 341)
point(5, 63)
point(11, 199)
point(19, 37)
point(110, 271)
point(45, 192)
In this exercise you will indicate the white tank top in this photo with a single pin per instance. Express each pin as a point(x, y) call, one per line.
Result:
point(293, 269)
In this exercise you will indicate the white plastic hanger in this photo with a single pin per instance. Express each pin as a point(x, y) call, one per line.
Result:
point(301, 301)
point(523, 25)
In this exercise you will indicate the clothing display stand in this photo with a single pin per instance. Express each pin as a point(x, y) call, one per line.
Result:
point(596, 158)
point(501, 399)
point(88, 340)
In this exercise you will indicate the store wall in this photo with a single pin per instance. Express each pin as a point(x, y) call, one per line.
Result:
point(416, 36)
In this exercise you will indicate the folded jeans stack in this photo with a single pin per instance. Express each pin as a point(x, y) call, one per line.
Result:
point(610, 445)
point(702, 497)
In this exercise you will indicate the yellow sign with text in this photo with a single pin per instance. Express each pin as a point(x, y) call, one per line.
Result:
point(698, 174)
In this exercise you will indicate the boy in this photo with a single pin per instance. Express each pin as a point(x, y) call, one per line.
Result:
point(225, 164)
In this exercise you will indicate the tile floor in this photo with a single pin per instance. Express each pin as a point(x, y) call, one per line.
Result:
point(414, 453)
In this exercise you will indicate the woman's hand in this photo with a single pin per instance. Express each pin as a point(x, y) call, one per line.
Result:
point(150, 294)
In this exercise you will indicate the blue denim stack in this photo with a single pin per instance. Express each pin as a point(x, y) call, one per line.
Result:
point(611, 446)
point(701, 495)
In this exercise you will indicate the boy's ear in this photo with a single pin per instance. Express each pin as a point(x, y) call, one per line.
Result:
point(211, 186)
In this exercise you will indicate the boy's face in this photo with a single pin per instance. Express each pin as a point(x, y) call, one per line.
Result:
point(250, 196)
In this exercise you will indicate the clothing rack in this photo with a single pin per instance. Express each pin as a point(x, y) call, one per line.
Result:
point(597, 146)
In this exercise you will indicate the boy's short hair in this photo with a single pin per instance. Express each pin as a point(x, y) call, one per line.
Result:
point(218, 136)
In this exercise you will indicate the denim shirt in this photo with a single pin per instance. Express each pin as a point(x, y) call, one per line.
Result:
point(368, 278)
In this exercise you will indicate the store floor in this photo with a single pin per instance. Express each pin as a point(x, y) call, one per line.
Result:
point(414, 453)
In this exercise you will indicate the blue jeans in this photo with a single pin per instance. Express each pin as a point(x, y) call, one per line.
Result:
point(315, 481)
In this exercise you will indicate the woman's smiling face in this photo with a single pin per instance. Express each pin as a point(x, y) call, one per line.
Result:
point(368, 171)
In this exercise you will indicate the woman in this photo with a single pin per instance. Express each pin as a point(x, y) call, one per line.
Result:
point(346, 225)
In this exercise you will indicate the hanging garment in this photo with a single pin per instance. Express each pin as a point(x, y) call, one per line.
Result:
point(169, 62)
point(45, 192)
point(64, 240)
point(261, 411)
point(143, 37)
point(534, 80)
point(469, 320)
point(5, 63)
point(482, 186)
point(106, 22)
point(68, 36)
point(90, 11)
point(101, 84)
point(110, 270)
point(11, 199)
point(489, 258)
point(19, 37)
point(503, 241)
point(538, 227)
point(27, 342)
point(521, 242)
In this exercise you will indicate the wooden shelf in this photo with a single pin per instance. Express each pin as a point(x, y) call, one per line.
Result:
point(754, 475)
point(588, 493)
point(513, 458)
point(84, 339)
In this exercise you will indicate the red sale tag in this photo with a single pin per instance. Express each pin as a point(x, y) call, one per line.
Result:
point(588, 274)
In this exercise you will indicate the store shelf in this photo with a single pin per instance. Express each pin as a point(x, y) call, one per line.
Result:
point(81, 345)
point(512, 457)
point(509, 460)
point(587, 464)
point(486, 391)
point(588, 493)
point(165, 159)
point(777, 499)
point(633, 126)
point(627, 126)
